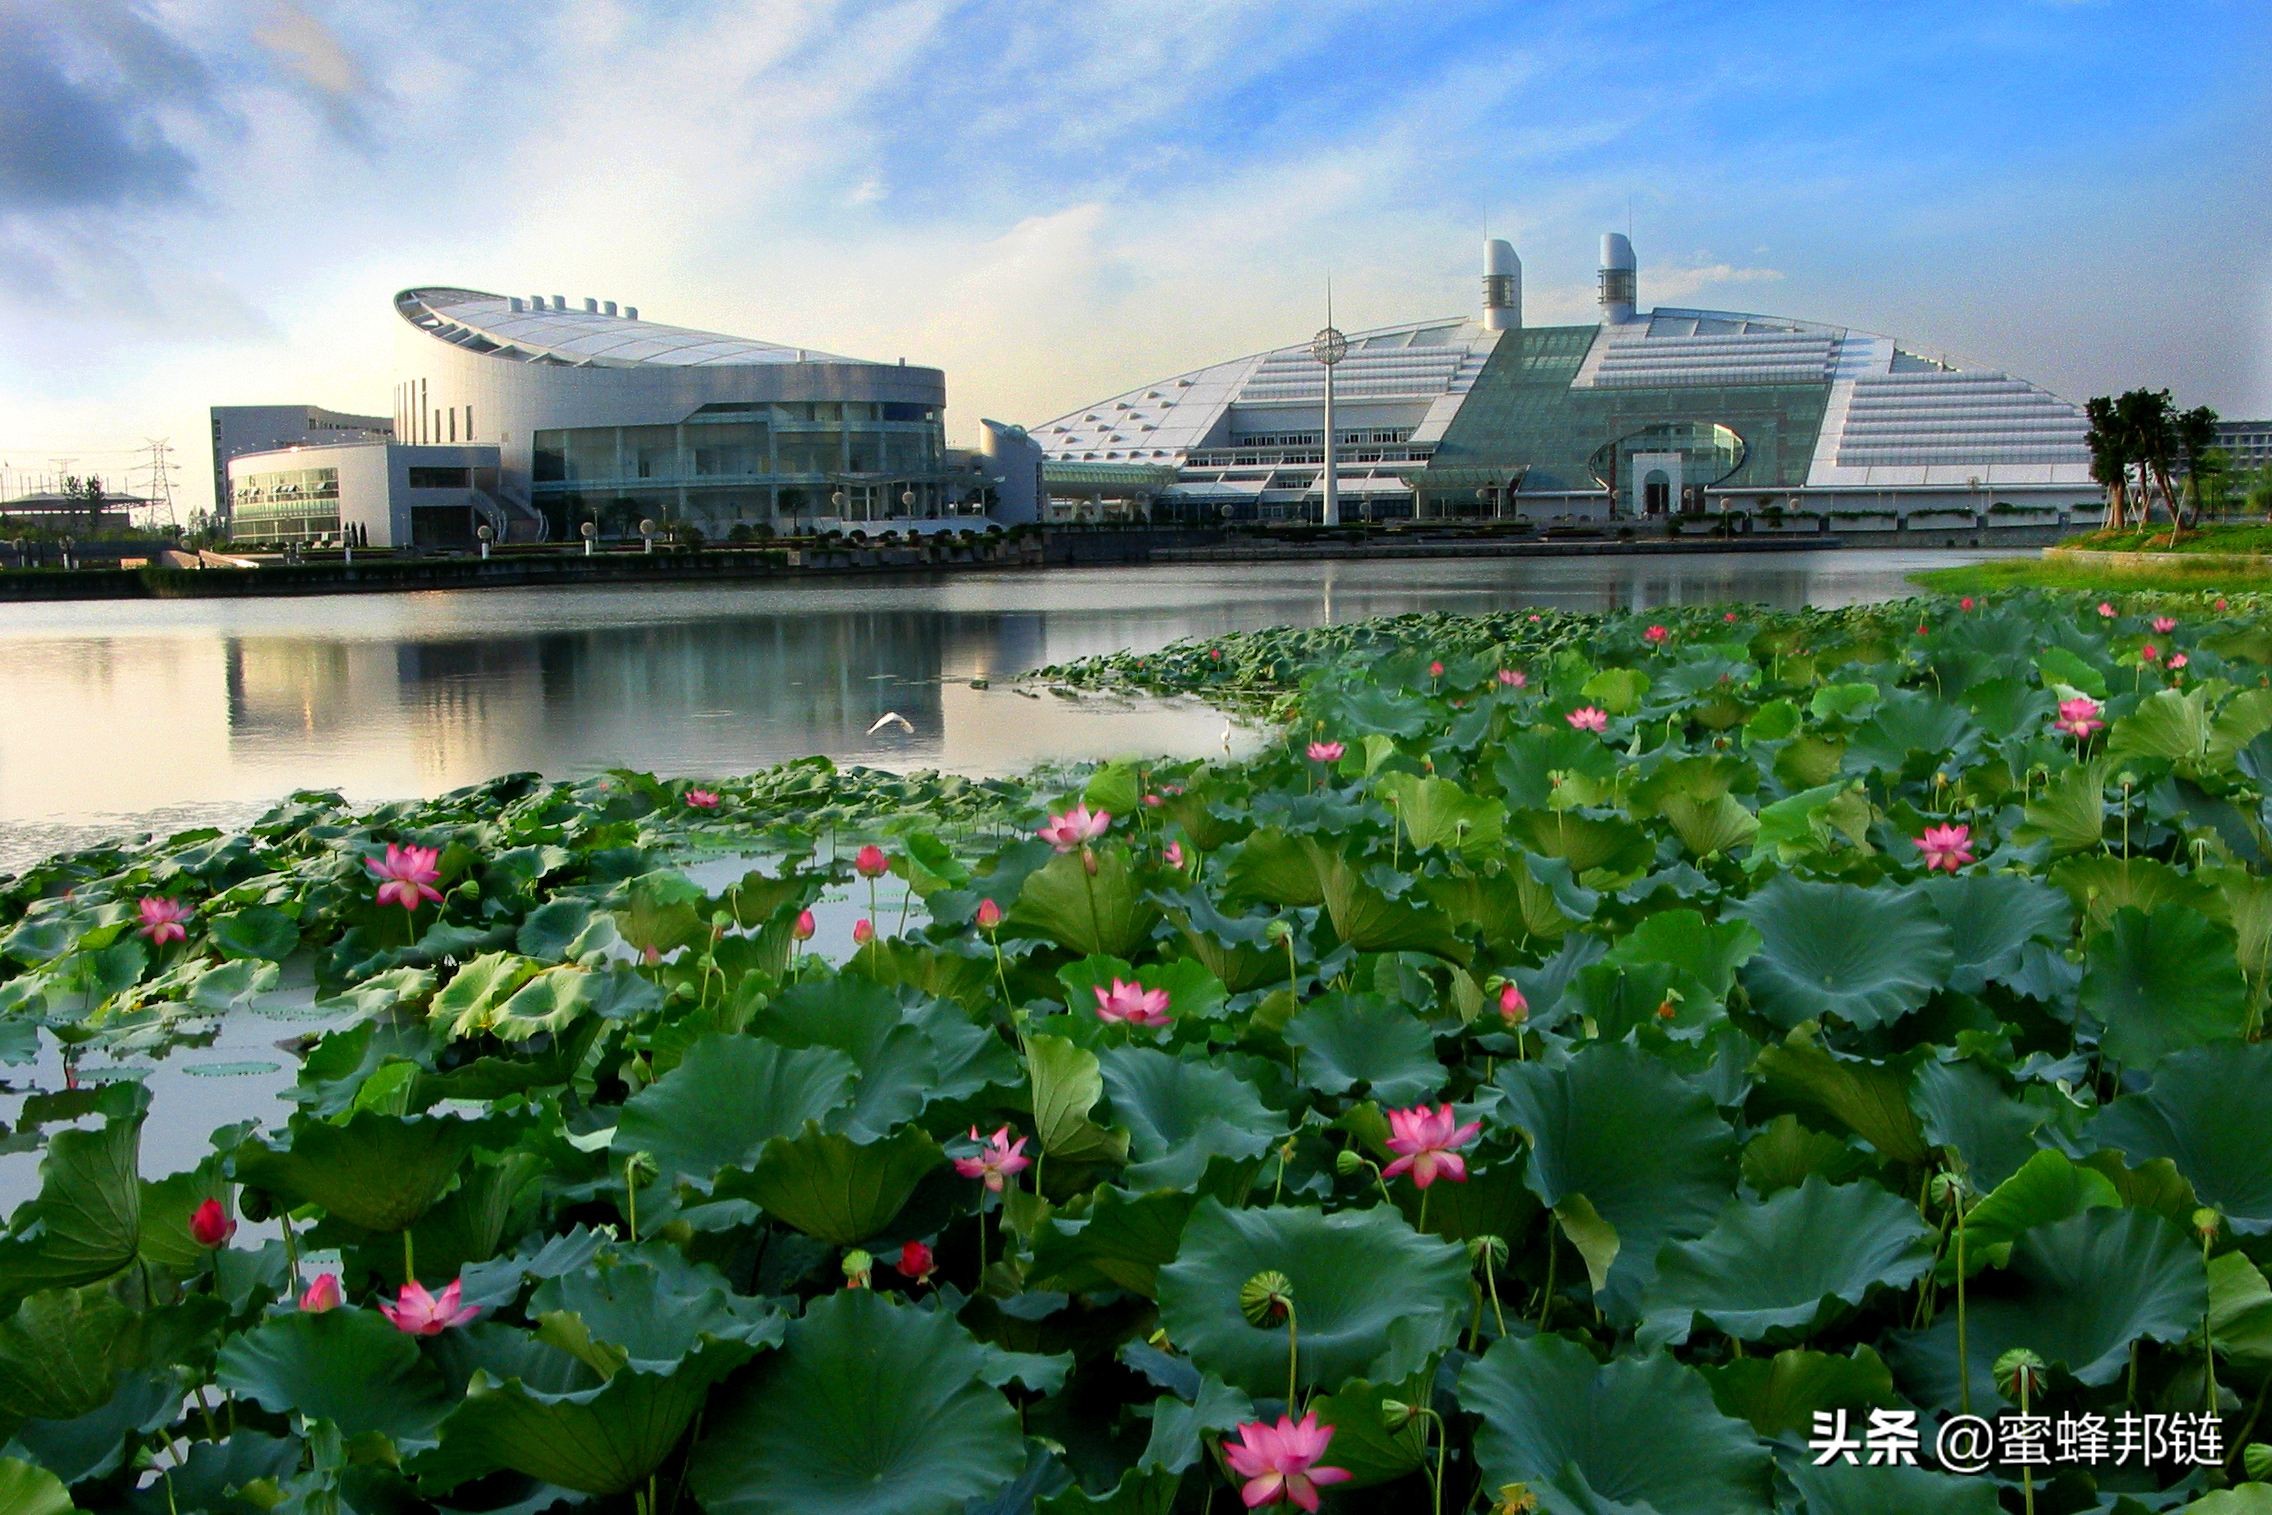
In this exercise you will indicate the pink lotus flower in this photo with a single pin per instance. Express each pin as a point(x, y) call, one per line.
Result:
point(422, 1314)
point(2177, 660)
point(1965, 603)
point(1326, 752)
point(2150, 653)
point(1075, 829)
point(1153, 802)
point(1655, 636)
point(1435, 670)
point(702, 799)
point(863, 932)
point(805, 927)
point(917, 1262)
point(1534, 615)
point(209, 1224)
point(163, 919)
point(1132, 1004)
point(321, 1295)
point(989, 915)
point(1279, 1463)
point(2105, 609)
point(2079, 717)
point(870, 862)
point(1424, 1139)
point(1948, 847)
point(1174, 854)
point(1513, 678)
point(2223, 604)
point(407, 875)
point(1588, 718)
point(2165, 624)
point(1513, 1008)
point(1729, 617)
point(997, 1159)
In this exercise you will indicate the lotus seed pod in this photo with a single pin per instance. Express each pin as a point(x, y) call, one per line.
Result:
point(1266, 1298)
point(1347, 1163)
point(2019, 1372)
point(1395, 1413)
point(2207, 1223)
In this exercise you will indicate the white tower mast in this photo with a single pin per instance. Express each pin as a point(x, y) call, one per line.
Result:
point(1330, 347)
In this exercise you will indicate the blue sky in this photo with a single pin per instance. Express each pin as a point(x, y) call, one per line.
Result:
point(210, 201)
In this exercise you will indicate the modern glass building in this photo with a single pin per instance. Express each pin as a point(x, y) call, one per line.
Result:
point(1640, 413)
point(599, 416)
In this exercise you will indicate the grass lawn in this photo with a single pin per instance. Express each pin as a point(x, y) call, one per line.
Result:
point(2050, 573)
point(2247, 536)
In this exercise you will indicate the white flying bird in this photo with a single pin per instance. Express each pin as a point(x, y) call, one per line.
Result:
point(892, 718)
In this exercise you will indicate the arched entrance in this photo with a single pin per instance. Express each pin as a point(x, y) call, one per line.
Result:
point(1656, 492)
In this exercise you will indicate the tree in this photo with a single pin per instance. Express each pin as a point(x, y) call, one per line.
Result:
point(83, 496)
point(2110, 458)
point(2197, 445)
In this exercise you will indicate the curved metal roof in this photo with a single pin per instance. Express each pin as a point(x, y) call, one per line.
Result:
point(584, 338)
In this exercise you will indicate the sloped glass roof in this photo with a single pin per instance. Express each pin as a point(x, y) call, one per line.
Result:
point(541, 333)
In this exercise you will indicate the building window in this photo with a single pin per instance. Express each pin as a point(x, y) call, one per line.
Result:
point(441, 478)
point(469, 423)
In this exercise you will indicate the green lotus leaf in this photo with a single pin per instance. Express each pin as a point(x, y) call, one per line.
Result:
point(1645, 1148)
point(1868, 956)
point(2047, 1187)
point(1067, 1083)
point(1234, 950)
point(1610, 845)
point(1121, 1243)
point(86, 1223)
point(1870, 1099)
point(2077, 1292)
point(1436, 812)
point(1708, 828)
point(469, 1001)
point(1636, 1434)
point(604, 1440)
point(1102, 913)
point(29, 1490)
point(2240, 1311)
point(1347, 1040)
point(728, 1097)
point(665, 911)
point(1843, 702)
point(1781, 1267)
point(62, 1353)
point(832, 1187)
point(1963, 1107)
point(1910, 722)
point(374, 1170)
point(1349, 1323)
point(1785, 1152)
point(1780, 1396)
point(1181, 1114)
point(898, 1063)
point(2101, 885)
point(1179, 1425)
point(646, 1311)
point(347, 1366)
point(1275, 869)
point(872, 1408)
point(2161, 983)
point(2070, 813)
point(1889, 1489)
point(564, 930)
point(1819, 822)
point(2169, 724)
point(1362, 1441)
point(2205, 1113)
point(258, 931)
point(1991, 917)
point(1617, 690)
point(1525, 766)
point(1709, 952)
point(1370, 919)
point(1145, 1491)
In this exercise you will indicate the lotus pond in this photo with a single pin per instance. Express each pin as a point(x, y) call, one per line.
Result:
point(1582, 1063)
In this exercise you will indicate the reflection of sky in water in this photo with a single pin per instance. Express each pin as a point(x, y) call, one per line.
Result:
point(182, 712)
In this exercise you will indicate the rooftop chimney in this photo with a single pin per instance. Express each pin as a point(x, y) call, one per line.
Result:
point(591, 306)
point(609, 307)
point(630, 312)
point(1502, 287)
point(514, 301)
point(1619, 279)
point(559, 302)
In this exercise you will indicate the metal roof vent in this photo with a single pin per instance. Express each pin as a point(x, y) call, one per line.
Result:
point(591, 306)
point(514, 301)
point(630, 312)
point(609, 307)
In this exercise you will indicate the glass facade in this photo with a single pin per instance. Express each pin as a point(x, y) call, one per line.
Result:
point(756, 464)
point(1523, 425)
point(292, 505)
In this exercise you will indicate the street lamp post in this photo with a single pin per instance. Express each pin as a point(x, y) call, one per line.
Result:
point(647, 536)
point(485, 531)
point(588, 531)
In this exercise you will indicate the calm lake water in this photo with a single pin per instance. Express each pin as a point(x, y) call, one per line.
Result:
point(120, 717)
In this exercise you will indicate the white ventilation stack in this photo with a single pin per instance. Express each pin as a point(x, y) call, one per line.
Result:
point(608, 306)
point(559, 302)
point(1620, 279)
point(591, 306)
point(630, 312)
point(517, 304)
point(1502, 287)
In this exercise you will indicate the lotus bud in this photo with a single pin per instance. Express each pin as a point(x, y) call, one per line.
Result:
point(2019, 1373)
point(1347, 1163)
point(2207, 1223)
point(1266, 1298)
point(870, 862)
point(805, 926)
point(989, 915)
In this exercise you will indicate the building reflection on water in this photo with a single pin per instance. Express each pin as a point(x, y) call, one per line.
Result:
point(171, 713)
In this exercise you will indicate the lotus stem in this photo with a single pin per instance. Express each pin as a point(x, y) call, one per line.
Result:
point(631, 1193)
point(1963, 1362)
point(1293, 1356)
point(2208, 1342)
point(1546, 1297)
point(409, 1262)
point(2027, 1471)
point(1422, 1225)
point(291, 1250)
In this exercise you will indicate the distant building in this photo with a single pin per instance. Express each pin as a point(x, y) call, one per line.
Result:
point(598, 416)
point(1640, 413)
point(48, 510)
point(239, 429)
point(371, 493)
point(2247, 443)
